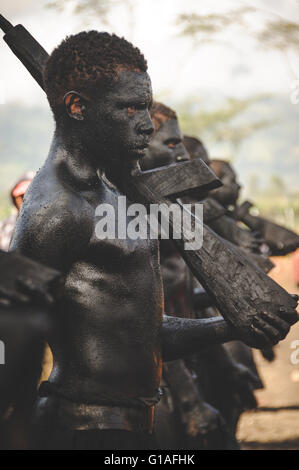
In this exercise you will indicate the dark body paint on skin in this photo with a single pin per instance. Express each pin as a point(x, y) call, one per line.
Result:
point(106, 332)
point(227, 194)
point(166, 147)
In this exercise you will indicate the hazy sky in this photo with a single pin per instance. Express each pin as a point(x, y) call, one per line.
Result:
point(178, 66)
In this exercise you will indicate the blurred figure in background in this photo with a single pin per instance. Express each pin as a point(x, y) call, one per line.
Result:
point(296, 267)
point(17, 195)
point(278, 240)
point(186, 417)
point(25, 349)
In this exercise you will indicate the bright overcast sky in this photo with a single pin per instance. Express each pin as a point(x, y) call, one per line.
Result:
point(178, 68)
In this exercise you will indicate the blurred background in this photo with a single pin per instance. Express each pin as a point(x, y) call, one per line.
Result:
point(230, 68)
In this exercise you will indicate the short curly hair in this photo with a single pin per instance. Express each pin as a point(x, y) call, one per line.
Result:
point(196, 148)
point(86, 60)
point(161, 113)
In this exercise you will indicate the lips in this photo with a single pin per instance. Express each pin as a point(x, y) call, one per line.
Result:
point(140, 149)
point(142, 146)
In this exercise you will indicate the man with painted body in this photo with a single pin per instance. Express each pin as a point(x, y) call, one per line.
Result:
point(109, 334)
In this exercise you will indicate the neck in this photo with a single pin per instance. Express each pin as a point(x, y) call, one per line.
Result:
point(78, 163)
point(118, 171)
point(74, 161)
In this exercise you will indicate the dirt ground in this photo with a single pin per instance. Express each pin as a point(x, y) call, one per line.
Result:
point(275, 425)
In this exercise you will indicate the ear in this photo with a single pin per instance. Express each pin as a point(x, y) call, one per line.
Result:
point(75, 105)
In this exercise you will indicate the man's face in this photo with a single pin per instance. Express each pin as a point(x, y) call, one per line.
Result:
point(200, 152)
point(227, 194)
point(123, 122)
point(166, 147)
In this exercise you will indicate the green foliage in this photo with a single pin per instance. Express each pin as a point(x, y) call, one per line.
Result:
point(90, 8)
point(219, 124)
point(274, 201)
point(84, 6)
point(208, 26)
point(5, 205)
point(282, 210)
point(279, 34)
point(25, 139)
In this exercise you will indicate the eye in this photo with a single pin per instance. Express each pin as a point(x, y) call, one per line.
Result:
point(171, 144)
point(131, 110)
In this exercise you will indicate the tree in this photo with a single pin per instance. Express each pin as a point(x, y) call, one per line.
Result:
point(220, 124)
point(207, 27)
point(277, 35)
point(96, 9)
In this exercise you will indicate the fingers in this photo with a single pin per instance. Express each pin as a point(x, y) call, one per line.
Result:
point(252, 379)
point(33, 291)
point(247, 378)
point(17, 296)
point(261, 340)
point(289, 315)
point(276, 322)
point(268, 354)
point(246, 396)
point(270, 328)
point(274, 335)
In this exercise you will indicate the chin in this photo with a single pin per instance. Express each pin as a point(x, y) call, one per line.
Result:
point(136, 154)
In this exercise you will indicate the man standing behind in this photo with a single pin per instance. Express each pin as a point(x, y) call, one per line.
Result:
point(17, 195)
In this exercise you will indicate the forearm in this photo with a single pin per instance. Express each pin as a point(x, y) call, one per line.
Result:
point(182, 337)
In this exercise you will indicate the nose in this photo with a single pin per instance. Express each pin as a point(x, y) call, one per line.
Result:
point(181, 154)
point(147, 126)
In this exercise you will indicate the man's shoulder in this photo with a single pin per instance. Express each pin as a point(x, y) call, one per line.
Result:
point(59, 216)
point(56, 204)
